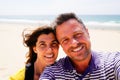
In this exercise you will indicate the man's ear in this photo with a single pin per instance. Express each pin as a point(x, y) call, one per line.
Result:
point(87, 31)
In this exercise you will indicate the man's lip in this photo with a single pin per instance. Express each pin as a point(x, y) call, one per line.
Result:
point(78, 49)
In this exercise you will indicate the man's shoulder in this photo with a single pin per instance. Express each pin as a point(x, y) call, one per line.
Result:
point(58, 69)
point(106, 56)
point(58, 63)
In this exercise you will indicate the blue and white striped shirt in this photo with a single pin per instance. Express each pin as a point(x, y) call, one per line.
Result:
point(103, 66)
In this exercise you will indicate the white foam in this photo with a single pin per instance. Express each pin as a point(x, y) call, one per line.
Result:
point(24, 21)
point(103, 25)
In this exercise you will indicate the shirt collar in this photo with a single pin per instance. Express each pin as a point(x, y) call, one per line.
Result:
point(68, 64)
point(93, 63)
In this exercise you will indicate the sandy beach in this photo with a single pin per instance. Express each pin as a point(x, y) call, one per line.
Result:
point(12, 51)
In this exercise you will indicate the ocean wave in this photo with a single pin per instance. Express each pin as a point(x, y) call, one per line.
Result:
point(103, 25)
point(23, 21)
point(89, 24)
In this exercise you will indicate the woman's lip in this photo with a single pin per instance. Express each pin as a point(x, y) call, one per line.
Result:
point(49, 56)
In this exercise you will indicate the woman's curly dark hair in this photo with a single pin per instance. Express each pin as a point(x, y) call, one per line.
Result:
point(30, 39)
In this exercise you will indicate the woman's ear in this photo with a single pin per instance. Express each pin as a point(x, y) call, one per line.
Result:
point(34, 49)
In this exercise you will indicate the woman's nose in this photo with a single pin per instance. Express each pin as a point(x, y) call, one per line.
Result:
point(49, 50)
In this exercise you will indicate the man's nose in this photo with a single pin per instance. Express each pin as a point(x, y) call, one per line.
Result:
point(74, 42)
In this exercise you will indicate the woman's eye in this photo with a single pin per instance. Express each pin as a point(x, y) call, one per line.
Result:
point(42, 45)
point(55, 44)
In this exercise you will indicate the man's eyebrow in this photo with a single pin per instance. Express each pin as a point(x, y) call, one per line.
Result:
point(78, 32)
point(62, 39)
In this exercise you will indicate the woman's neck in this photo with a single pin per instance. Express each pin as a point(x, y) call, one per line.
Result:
point(38, 69)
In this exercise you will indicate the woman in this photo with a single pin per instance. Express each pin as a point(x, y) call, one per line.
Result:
point(43, 51)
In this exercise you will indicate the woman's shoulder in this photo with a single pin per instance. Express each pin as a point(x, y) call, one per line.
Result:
point(19, 75)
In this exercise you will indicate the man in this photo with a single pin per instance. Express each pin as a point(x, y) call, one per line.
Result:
point(81, 62)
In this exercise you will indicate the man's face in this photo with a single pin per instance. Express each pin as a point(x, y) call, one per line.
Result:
point(74, 39)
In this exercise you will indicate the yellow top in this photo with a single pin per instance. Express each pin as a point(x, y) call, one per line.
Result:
point(20, 75)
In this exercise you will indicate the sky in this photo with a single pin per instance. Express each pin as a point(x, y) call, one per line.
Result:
point(52, 7)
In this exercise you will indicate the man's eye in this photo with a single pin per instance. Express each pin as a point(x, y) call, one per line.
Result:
point(64, 41)
point(78, 35)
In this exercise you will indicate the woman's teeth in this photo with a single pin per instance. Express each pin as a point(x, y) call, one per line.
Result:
point(49, 56)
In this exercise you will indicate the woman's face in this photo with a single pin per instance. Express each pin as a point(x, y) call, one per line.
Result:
point(46, 49)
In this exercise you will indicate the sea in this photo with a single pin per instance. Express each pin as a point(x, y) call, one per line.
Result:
point(92, 21)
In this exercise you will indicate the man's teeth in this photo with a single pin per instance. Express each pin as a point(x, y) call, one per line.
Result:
point(77, 49)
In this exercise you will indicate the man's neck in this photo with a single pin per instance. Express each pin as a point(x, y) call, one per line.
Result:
point(81, 66)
